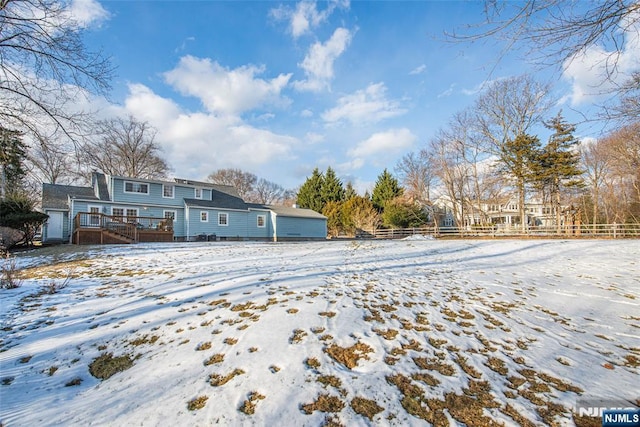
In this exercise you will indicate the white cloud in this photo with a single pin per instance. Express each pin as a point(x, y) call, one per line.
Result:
point(383, 143)
point(197, 143)
point(313, 138)
point(226, 91)
point(87, 12)
point(418, 70)
point(306, 113)
point(318, 63)
point(364, 106)
point(306, 15)
point(596, 71)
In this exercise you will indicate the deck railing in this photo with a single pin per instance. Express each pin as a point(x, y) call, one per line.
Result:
point(128, 227)
point(581, 230)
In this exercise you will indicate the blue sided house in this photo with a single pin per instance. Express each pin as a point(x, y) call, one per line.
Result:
point(129, 210)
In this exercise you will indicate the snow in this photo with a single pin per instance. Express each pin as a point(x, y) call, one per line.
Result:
point(569, 309)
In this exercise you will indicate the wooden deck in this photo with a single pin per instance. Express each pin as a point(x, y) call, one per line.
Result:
point(99, 229)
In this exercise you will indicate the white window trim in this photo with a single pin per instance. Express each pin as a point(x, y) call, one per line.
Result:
point(91, 217)
point(124, 187)
point(174, 212)
point(173, 191)
point(264, 221)
point(206, 216)
point(226, 215)
point(195, 193)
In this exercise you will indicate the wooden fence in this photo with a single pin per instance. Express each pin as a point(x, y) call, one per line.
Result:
point(613, 231)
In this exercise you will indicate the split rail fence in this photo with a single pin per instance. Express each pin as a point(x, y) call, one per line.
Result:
point(613, 231)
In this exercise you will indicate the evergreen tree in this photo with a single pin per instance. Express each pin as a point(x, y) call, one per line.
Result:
point(386, 188)
point(517, 157)
point(333, 211)
point(556, 166)
point(349, 191)
point(400, 214)
point(12, 155)
point(358, 214)
point(17, 211)
point(331, 190)
point(310, 193)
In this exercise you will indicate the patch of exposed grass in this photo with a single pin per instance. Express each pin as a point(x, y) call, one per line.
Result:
point(7, 380)
point(389, 334)
point(203, 346)
point(467, 368)
point(217, 380)
point(312, 363)
point(318, 329)
point(74, 382)
point(249, 405)
point(145, 339)
point(560, 385)
point(426, 378)
point(497, 365)
point(365, 407)
point(329, 380)
point(349, 356)
point(298, 336)
point(328, 314)
point(433, 364)
point(105, 365)
point(216, 358)
point(52, 370)
point(230, 341)
point(324, 403)
point(437, 343)
point(197, 403)
point(517, 417)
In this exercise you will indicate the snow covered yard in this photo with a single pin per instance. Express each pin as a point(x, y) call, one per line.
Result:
point(331, 333)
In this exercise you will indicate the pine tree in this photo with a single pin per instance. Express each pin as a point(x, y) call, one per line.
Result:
point(310, 193)
point(517, 158)
point(349, 191)
point(331, 190)
point(386, 188)
point(557, 163)
point(12, 156)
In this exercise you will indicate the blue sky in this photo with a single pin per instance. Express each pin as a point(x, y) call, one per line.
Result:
point(278, 88)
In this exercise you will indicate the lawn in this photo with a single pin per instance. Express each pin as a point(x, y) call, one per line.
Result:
point(511, 332)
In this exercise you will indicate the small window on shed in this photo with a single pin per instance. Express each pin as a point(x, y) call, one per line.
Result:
point(261, 221)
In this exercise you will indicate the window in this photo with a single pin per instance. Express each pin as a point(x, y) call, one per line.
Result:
point(136, 187)
point(132, 215)
point(198, 192)
point(169, 215)
point(261, 221)
point(223, 219)
point(117, 213)
point(204, 216)
point(94, 220)
point(168, 191)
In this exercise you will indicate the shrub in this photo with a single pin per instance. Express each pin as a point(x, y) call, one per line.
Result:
point(9, 276)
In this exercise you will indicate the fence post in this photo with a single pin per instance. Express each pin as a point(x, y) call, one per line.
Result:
point(615, 229)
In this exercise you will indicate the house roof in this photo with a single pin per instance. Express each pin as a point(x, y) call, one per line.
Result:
point(228, 189)
point(100, 181)
point(221, 200)
point(56, 196)
point(294, 212)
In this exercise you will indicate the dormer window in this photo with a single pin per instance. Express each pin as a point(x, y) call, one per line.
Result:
point(198, 193)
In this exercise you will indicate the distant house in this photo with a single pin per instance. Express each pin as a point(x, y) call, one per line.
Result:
point(128, 210)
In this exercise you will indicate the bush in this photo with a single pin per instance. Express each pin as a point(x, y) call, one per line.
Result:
point(9, 276)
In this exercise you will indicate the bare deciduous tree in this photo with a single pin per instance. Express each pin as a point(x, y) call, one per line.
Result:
point(556, 32)
point(45, 67)
point(416, 173)
point(242, 181)
point(54, 162)
point(267, 193)
point(125, 147)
